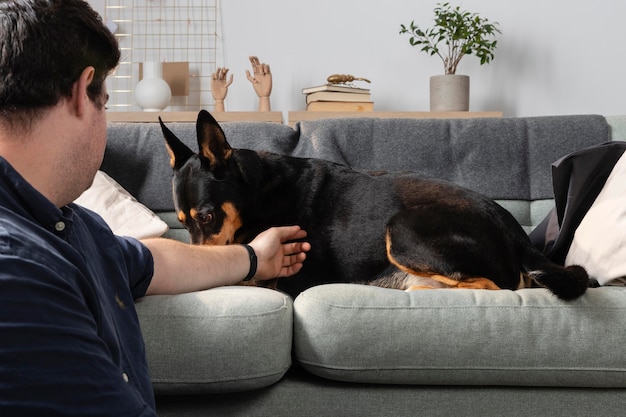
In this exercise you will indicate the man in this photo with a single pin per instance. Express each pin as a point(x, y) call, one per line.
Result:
point(70, 342)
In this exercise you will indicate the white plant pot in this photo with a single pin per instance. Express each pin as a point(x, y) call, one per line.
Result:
point(153, 93)
point(449, 92)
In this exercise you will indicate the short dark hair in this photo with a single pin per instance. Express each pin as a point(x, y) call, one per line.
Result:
point(44, 47)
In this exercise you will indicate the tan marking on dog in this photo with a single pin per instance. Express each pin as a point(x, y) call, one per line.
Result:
point(232, 223)
point(419, 287)
point(525, 281)
point(172, 156)
point(448, 282)
point(206, 152)
point(478, 283)
point(193, 213)
point(182, 217)
point(414, 282)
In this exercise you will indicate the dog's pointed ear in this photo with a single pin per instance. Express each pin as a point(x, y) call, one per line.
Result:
point(178, 151)
point(211, 141)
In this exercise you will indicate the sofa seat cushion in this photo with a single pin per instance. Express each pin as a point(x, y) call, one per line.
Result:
point(358, 333)
point(225, 339)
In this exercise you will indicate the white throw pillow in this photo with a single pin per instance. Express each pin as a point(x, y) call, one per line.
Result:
point(120, 210)
point(599, 243)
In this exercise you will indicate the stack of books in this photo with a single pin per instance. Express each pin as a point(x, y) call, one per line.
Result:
point(333, 97)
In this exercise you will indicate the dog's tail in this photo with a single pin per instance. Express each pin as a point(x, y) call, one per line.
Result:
point(567, 283)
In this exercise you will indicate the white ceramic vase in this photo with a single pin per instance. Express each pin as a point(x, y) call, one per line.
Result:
point(449, 92)
point(153, 93)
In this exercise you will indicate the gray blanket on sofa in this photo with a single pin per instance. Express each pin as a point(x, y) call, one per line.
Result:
point(464, 151)
point(469, 153)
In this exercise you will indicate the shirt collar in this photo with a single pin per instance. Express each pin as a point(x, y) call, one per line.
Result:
point(21, 196)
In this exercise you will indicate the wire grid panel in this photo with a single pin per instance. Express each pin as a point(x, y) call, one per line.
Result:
point(164, 31)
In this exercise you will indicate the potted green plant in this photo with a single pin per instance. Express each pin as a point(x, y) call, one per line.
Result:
point(455, 34)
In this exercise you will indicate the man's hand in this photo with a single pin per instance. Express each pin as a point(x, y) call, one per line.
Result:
point(277, 259)
point(180, 267)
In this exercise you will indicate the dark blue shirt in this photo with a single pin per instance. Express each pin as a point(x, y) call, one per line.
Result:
point(70, 341)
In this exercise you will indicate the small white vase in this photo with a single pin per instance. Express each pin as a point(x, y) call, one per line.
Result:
point(153, 93)
point(449, 92)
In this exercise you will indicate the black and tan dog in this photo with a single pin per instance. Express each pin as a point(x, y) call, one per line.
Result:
point(395, 230)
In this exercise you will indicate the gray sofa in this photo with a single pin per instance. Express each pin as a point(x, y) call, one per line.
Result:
point(355, 350)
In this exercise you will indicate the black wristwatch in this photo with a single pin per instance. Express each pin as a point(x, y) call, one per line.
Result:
point(253, 262)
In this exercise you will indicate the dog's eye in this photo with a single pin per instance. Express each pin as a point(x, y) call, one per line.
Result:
point(205, 217)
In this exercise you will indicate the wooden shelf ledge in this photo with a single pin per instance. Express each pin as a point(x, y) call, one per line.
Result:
point(296, 116)
point(192, 116)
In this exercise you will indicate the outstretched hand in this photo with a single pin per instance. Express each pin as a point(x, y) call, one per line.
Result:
point(275, 257)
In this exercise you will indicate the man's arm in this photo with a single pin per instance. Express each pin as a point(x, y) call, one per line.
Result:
point(180, 268)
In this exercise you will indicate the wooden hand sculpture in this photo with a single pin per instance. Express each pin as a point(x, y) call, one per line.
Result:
point(219, 87)
point(262, 82)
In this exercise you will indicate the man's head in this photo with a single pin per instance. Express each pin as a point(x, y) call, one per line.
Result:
point(44, 47)
point(54, 58)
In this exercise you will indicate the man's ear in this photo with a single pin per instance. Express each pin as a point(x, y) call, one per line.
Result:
point(80, 99)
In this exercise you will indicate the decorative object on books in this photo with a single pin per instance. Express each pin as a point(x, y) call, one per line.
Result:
point(152, 92)
point(261, 82)
point(338, 95)
point(463, 33)
point(344, 79)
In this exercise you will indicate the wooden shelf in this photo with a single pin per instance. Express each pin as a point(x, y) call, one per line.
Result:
point(296, 116)
point(293, 116)
point(191, 116)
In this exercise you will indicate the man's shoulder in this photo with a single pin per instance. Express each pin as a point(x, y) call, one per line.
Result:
point(16, 232)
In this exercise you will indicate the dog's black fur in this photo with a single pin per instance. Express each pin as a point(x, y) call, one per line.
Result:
point(389, 229)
